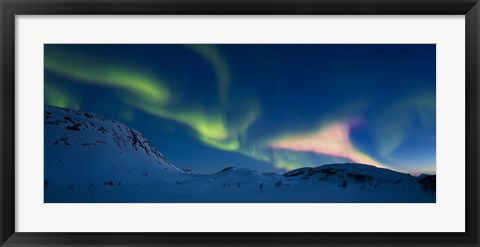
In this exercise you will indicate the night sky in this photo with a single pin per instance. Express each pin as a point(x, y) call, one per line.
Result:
point(271, 108)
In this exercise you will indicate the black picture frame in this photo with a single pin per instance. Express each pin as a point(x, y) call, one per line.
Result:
point(11, 8)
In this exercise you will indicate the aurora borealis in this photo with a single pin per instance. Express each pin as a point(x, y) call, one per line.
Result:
point(268, 107)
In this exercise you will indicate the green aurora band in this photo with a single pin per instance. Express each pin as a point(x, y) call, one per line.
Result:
point(139, 90)
point(57, 96)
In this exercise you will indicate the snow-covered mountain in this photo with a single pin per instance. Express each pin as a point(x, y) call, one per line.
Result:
point(87, 151)
point(89, 158)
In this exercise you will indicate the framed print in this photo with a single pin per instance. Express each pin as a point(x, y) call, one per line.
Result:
point(224, 123)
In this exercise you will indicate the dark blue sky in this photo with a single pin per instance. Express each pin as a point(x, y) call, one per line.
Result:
point(265, 107)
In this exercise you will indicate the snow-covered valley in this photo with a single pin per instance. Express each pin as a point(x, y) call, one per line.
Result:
point(89, 158)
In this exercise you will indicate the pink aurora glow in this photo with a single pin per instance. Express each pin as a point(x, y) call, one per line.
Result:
point(333, 140)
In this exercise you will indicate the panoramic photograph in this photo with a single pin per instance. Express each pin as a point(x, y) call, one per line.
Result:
point(239, 123)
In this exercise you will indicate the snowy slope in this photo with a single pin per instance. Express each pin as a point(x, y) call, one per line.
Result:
point(88, 152)
point(351, 182)
point(89, 158)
